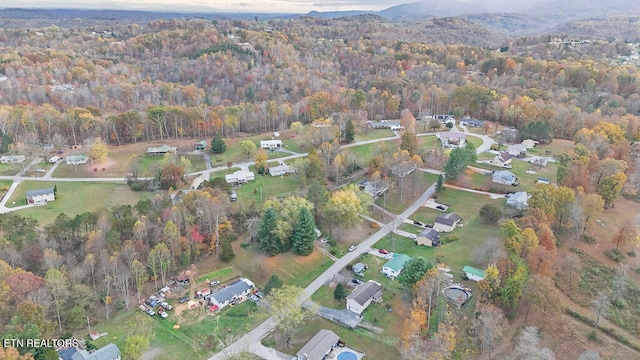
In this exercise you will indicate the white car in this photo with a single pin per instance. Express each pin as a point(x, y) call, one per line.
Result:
point(166, 305)
point(164, 315)
point(151, 312)
point(412, 236)
point(352, 248)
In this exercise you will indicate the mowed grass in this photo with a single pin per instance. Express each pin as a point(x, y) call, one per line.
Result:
point(519, 168)
point(254, 193)
point(364, 134)
point(376, 347)
point(392, 201)
point(456, 254)
point(10, 169)
point(74, 198)
point(220, 275)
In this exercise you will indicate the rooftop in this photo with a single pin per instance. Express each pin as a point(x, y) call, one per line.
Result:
point(430, 234)
point(365, 292)
point(473, 271)
point(398, 261)
point(448, 219)
point(32, 193)
point(164, 148)
point(319, 345)
point(228, 293)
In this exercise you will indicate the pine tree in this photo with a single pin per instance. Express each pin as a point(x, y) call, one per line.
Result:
point(340, 293)
point(349, 132)
point(217, 145)
point(226, 253)
point(274, 282)
point(269, 242)
point(304, 233)
point(440, 183)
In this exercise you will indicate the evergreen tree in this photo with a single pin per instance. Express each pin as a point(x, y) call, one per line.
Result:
point(274, 282)
point(267, 237)
point(440, 183)
point(226, 253)
point(340, 293)
point(217, 145)
point(304, 233)
point(4, 144)
point(349, 132)
point(458, 161)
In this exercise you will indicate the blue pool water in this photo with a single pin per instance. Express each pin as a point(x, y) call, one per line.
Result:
point(347, 355)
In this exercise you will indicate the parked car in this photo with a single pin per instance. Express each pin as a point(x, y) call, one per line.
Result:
point(412, 236)
point(214, 283)
point(41, 170)
point(428, 226)
point(166, 305)
point(352, 248)
point(419, 223)
point(260, 294)
point(150, 312)
point(184, 300)
point(254, 298)
point(440, 207)
point(383, 251)
point(163, 314)
point(233, 196)
point(356, 281)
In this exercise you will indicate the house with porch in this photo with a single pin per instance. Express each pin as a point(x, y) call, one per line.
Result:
point(385, 124)
point(240, 177)
point(271, 144)
point(280, 170)
point(519, 200)
point(502, 160)
point(363, 295)
point(393, 267)
point(40, 196)
point(161, 150)
point(446, 222)
point(12, 159)
point(504, 177)
point(452, 139)
point(235, 292)
point(76, 159)
point(319, 347)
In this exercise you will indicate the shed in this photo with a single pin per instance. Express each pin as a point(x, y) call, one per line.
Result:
point(319, 346)
point(358, 268)
point(363, 295)
point(472, 273)
point(201, 145)
point(393, 267)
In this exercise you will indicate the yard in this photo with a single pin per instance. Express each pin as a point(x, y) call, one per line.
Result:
point(73, 198)
point(11, 169)
point(519, 168)
point(391, 201)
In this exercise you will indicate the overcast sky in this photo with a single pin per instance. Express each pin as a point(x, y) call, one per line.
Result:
point(281, 6)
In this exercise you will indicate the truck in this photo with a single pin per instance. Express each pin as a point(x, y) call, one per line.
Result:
point(203, 292)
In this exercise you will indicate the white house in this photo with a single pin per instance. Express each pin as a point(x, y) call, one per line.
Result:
point(12, 159)
point(40, 196)
point(236, 292)
point(385, 124)
point(363, 295)
point(529, 144)
point(393, 267)
point(271, 144)
point(452, 139)
point(76, 159)
point(472, 273)
point(519, 200)
point(504, 177)
point(161, 150)
point(446, 222)
point(240, 177)
point(502, 160)
point(54, 159)
point(281, 170)
point(517, 150)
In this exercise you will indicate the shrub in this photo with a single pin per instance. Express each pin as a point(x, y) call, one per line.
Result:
point(451, 238)
point(631, 253)
point(245, 244)
point(95, 169)
point(614, 254)
point(588, 239)
point(374, 225)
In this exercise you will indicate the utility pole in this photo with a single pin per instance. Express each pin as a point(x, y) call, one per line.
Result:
point(89, 325)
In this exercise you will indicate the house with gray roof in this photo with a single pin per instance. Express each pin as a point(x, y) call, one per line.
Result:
point(452, 139)
point(363, 295)
point(504, 177)
point(12, 159)
point(107, 352)
point(519, 200)
point(161, 150)
point(446, 222)
point(502, 160)
point(319, 346)
point(237, 291)
point(428, 237)
point(40, 196)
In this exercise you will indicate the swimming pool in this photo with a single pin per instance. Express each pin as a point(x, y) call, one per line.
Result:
point(347, 355)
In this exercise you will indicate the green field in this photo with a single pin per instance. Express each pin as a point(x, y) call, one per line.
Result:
point(364, 134)
point(73, 198)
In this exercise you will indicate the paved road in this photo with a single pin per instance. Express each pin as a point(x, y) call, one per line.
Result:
point(251, 341)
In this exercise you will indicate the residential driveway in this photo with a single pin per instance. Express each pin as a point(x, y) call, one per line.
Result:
point(343, 316)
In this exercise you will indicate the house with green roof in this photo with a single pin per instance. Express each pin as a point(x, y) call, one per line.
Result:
point(161, 150)
point(393, 267)
point(472, 273)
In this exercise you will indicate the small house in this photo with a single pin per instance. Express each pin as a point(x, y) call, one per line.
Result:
point(107, 352)
point(529, 144)
point(467, 121)
point(428, 237)
point(385, 124)
point(539, 161)
point(517, 150)
point(40, 196)
point(319, 347)
point(393, 267)
point(271, 144)
point(363, 295)
point(504, 177)
point(200, 145)
point(519, 200)
point(161, 150)
point(452, 139)
point(359, 268)
point(502, 160)
point(235, 292)
point(76, 159)
point(373, 188)
point(543, 181)
point(240, 177)
point(12, 159)
point(280, 170)
point(446, 222)
point(472, 273)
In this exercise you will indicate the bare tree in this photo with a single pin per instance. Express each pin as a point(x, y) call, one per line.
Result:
point(600, 306)
point(489, 327)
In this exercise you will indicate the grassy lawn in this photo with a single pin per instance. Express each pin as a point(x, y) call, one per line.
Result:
point(519, 168)
point(367, 151)
point(74, 198)
point(474, 140)
point(324, 297)
point(10, 169)
point(372, 134)
point(198, 336)
point(265, 186)
point(392, 201)
point(428, 142)
point(376, 347)
point(220, 275)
